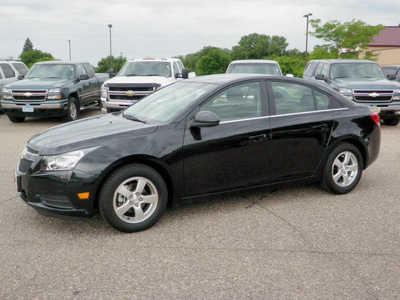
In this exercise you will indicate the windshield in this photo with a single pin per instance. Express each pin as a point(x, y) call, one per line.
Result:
point(356, 70)
point(257, 68)
point(146, 68)
point(166, 104)
point(52, 71)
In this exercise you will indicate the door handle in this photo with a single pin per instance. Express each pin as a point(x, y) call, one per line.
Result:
point(257, 138)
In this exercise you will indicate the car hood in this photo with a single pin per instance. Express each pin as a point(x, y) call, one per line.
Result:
point(163, 81)
point(366, 83)
point(88, 133)
point(38, 84)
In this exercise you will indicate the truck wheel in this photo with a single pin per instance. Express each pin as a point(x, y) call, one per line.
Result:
point(133, 198)
point(73, 110)
point(16, 119)
point(343, 169)
point(392, 122)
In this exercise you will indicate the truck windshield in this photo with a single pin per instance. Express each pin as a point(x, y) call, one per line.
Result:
point(44, 71)
point(356, 70)
point(146, 68)
point(269, 69)
point(165, 105)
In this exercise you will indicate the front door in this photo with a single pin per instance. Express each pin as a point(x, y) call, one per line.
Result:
point(235, 153)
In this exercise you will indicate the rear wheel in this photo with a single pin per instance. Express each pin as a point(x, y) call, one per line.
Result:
point(133, 198)
point(73, 109)
point(16, 119)
point(343, 169)
point(392, 122)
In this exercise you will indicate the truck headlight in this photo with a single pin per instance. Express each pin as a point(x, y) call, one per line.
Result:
point(7, 94)
point(54, 94)
point(345, 91)
point(104, 91)
point(7, 91)
point(396, 95)
point(62, 162)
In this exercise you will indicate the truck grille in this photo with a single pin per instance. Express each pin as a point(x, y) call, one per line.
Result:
point(130, 92)
point(373, 95)
point(29, 95)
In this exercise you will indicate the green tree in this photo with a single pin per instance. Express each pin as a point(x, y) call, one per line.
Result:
point(116, 64)
point(33, 56)
point(257, 46)
point(28, 46)
point(214, 62)
point(323, 52)
point(352, 37)
point(291, 64)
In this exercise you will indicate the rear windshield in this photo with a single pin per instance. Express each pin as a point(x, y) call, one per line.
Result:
point(255, 68)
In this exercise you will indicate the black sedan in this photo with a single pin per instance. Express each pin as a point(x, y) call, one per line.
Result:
point(195, 138)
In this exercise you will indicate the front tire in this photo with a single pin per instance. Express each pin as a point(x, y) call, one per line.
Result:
point(133, 198)
point(343, 169)
point(73, 109)
point(16, 119)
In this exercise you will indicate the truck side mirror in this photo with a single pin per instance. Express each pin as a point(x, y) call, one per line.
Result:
point(83, 77)
point(185, 74)
point(21, 76)
point(111, 74)
point(391, 76)
point(320, 77)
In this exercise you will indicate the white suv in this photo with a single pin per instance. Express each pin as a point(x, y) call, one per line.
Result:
point(9, 72)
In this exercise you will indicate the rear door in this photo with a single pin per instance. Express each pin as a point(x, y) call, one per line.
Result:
point(301, 124)
point(235, 153)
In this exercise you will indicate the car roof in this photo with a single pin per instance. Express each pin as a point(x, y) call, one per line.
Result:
point(57, 62)
point(155, 59)
point(254, 61)
point(343, 61)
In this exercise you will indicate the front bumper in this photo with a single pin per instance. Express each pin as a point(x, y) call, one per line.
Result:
point(387, 111)
point(115, 105)
point(36, 109)
point(56, 193)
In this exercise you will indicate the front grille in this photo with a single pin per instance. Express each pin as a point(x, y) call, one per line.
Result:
point(130, 92)
point(373, 95)
point(29, 95)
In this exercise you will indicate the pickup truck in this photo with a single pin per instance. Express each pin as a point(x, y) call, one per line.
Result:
point(53, 89)
point(361, 81)
point(139, 78)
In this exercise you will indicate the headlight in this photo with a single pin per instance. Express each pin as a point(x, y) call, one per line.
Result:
point(62, 162)
point(345, 91)
point(54, 94)
point(6, 91)
point(397, 91)
point(104, 91)
point(55, 91)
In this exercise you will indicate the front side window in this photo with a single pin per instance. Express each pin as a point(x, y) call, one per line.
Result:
point(81, 70)
point(21, 68)
point(241, 101)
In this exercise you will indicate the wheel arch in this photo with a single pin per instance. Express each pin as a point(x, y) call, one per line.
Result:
point(147, 161)
point(353, 141)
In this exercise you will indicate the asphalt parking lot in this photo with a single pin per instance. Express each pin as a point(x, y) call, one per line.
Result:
point(297, 242)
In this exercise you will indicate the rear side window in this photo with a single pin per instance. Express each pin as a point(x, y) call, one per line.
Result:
point(7, 71)
point(290, 98)
point(21, 68)
point(309, 69)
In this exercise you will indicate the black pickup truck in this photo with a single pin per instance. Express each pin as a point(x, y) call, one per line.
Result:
point(53, 89)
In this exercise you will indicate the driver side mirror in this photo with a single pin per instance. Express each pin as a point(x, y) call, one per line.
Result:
point(391, 76)
point(21, 76)
point(111, 73)
point(320, 77)
point(83, 77)
point(205, 119)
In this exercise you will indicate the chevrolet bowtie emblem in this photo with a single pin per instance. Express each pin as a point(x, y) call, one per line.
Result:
point(374, 95)
point(28, 94)
point(130, 93)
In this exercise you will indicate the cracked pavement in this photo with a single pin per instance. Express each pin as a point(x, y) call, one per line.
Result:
point(294, 242)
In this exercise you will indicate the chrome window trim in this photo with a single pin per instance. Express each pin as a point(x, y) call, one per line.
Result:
point(244, 120)
point(311, 112)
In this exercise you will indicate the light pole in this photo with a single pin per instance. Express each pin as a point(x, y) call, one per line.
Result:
point(307, 16)
point(69, 43)
point(110, 26)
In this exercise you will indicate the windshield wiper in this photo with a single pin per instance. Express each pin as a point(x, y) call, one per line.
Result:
point(133, 118)
point(155, 75)
point(132, 75)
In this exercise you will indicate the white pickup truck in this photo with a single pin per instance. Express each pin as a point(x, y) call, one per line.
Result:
point(139, 78)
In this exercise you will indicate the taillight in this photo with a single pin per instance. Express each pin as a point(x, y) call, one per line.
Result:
point(375, 117)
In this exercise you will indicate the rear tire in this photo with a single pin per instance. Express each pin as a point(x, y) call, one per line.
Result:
point(16, 119)
point(133, 198)
point(391, 122)
point(343, 169)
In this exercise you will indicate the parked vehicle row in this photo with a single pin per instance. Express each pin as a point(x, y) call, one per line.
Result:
point(9, 72)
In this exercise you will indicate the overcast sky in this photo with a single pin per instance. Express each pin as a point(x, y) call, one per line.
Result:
point(165, 28)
